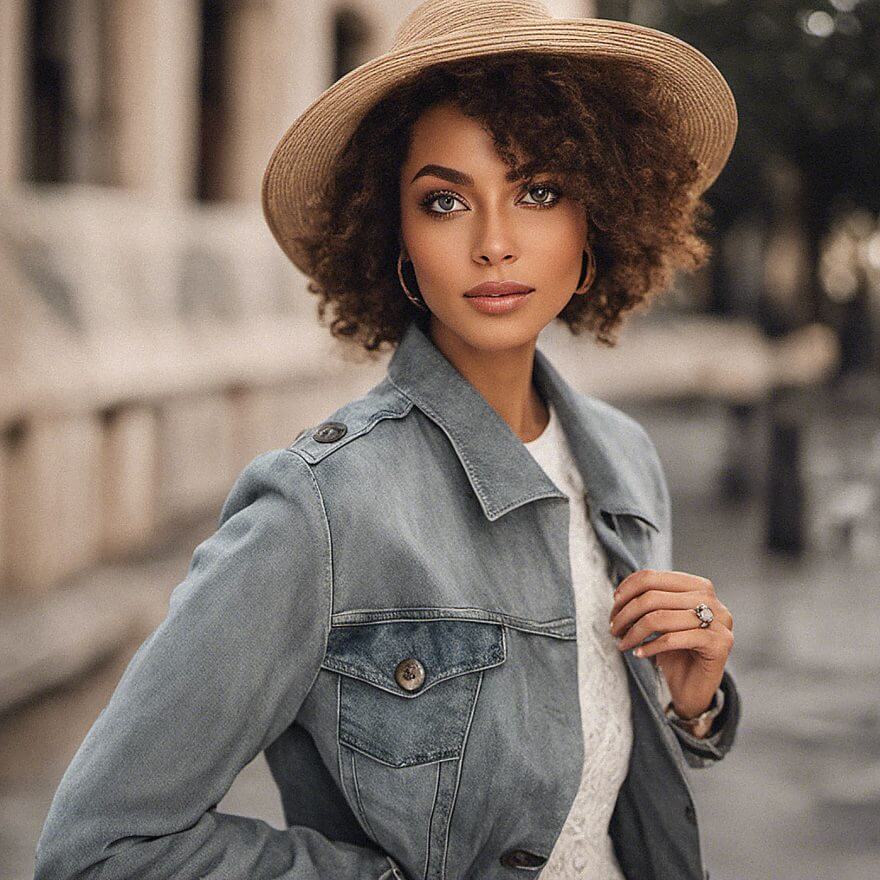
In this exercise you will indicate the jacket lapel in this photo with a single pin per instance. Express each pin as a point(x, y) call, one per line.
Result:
point(611, 450)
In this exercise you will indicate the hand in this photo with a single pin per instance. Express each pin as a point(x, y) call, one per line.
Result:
point(691, 657)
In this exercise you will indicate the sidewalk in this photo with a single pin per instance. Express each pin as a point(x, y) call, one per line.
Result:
point(798, 797)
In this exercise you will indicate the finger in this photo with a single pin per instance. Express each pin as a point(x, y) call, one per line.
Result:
point(712, 644)
point(648, 578)
point(654, 600)
point(660, 621)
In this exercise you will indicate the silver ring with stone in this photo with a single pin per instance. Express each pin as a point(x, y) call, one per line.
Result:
point(704, 612)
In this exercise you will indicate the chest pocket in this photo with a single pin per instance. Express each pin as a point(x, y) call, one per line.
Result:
point(408, 688)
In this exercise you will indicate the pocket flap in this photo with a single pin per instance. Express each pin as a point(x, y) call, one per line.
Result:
point(445, 649)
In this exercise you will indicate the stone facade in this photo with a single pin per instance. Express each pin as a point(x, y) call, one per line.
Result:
point(154, 336)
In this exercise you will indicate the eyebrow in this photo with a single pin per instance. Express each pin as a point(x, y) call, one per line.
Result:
point(457, 177)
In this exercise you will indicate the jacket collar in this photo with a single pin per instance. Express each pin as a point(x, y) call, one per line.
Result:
point(502, 472)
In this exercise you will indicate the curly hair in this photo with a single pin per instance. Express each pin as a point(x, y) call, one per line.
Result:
point(592, 122)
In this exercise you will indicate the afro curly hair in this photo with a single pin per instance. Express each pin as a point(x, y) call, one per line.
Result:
point(594, 123)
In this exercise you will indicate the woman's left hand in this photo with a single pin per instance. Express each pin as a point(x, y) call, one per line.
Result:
point(691, 657)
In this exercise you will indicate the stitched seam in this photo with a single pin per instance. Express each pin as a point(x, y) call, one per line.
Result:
point(376, 417)
point(493, 658)
point(491, 510)
point(360, 804)
point(353, 744)
point(380, 755)
point(431, 821)
point(429, 410)
point(462, 753)
point(431, 608)
point(364, 617)
point(329, 563)
point(339, 738)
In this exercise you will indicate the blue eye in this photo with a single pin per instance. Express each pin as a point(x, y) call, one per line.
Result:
point(547, 189)
point(439, 197)
point(448, 198)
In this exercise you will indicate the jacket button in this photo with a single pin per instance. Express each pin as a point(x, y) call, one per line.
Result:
point(329, 432)
point(409, 674)
point(523, 859)
point(691, 814)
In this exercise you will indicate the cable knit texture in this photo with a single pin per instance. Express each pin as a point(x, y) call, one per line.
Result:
point(584, 848)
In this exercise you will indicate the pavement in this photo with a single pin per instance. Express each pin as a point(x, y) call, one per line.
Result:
point(798, 796)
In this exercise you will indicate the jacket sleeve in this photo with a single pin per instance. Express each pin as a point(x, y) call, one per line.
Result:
point(704, 751)
point(216, 682)
point(698, 751)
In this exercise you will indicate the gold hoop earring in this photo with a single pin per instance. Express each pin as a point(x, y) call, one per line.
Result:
point(420, 303)
point(590, 275)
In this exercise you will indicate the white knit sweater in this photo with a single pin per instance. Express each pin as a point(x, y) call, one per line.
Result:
point(583, 849)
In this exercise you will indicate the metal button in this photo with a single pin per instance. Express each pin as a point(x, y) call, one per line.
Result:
point(691, 813)
point(330, 432)
point(523, 859)
point(409, 674)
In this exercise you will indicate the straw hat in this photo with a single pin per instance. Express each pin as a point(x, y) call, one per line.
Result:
point(446, 30)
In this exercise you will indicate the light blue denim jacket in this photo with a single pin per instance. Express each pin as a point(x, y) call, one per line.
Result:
point(413, 526)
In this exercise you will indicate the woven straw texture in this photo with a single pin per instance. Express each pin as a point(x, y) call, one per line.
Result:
point(688, 84)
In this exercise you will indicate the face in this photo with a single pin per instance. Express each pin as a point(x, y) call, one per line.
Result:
point(463, 223)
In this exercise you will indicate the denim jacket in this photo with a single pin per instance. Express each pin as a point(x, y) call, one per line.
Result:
point(386, 610)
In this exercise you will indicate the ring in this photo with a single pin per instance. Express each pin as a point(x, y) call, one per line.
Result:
point(704, 612)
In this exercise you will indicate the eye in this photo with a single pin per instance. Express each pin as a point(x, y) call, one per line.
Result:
point(443, 198)
point(546, 191)
point(548, 196)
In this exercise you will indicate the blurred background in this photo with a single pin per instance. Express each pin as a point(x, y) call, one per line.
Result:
point(153, 339)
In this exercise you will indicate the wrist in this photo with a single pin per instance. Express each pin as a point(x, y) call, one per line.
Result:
point(700, 723)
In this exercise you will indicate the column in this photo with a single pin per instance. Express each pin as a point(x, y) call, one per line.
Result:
point(13, 31)
point(156, 95)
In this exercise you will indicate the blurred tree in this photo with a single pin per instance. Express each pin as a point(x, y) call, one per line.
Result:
point(806, 76)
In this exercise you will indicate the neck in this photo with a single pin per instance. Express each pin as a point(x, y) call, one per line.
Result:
point(503, 378)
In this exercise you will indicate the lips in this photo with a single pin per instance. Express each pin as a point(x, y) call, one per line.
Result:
point(498, 288)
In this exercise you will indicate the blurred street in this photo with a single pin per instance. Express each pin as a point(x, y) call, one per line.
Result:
point(154, 339)
point(796, 799)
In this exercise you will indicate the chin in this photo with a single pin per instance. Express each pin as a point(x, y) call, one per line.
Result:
point(494, 332)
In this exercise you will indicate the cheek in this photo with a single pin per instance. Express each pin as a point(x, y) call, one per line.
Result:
point(434, 244)
point(564, 235)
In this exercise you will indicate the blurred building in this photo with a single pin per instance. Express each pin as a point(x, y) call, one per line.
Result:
point(154, 337)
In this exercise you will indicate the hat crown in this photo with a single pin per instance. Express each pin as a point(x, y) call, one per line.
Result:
point(439, 18)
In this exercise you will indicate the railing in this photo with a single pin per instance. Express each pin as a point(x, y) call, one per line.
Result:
point(147, 354)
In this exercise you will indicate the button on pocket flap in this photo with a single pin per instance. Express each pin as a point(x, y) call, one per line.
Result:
point(408, 657)
point(385, 666)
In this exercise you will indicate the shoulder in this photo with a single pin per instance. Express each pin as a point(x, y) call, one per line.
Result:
point(352, 423)
point(291, 475)
point(619, 431)
point(614, 421)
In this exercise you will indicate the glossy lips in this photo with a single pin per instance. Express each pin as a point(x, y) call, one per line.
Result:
point(498, 297)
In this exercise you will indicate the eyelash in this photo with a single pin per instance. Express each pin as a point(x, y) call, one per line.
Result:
point(426, 202)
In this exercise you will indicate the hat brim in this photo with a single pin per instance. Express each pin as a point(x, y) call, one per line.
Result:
point(688, 84)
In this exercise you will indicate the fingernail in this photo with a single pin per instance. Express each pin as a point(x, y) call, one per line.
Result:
point(638, 652)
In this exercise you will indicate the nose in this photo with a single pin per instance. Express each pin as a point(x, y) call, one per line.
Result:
point(494, 240)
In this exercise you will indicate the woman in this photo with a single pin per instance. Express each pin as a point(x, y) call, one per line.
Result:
point(410, 608)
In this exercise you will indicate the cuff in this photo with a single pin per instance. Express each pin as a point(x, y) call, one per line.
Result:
point(702, 751)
